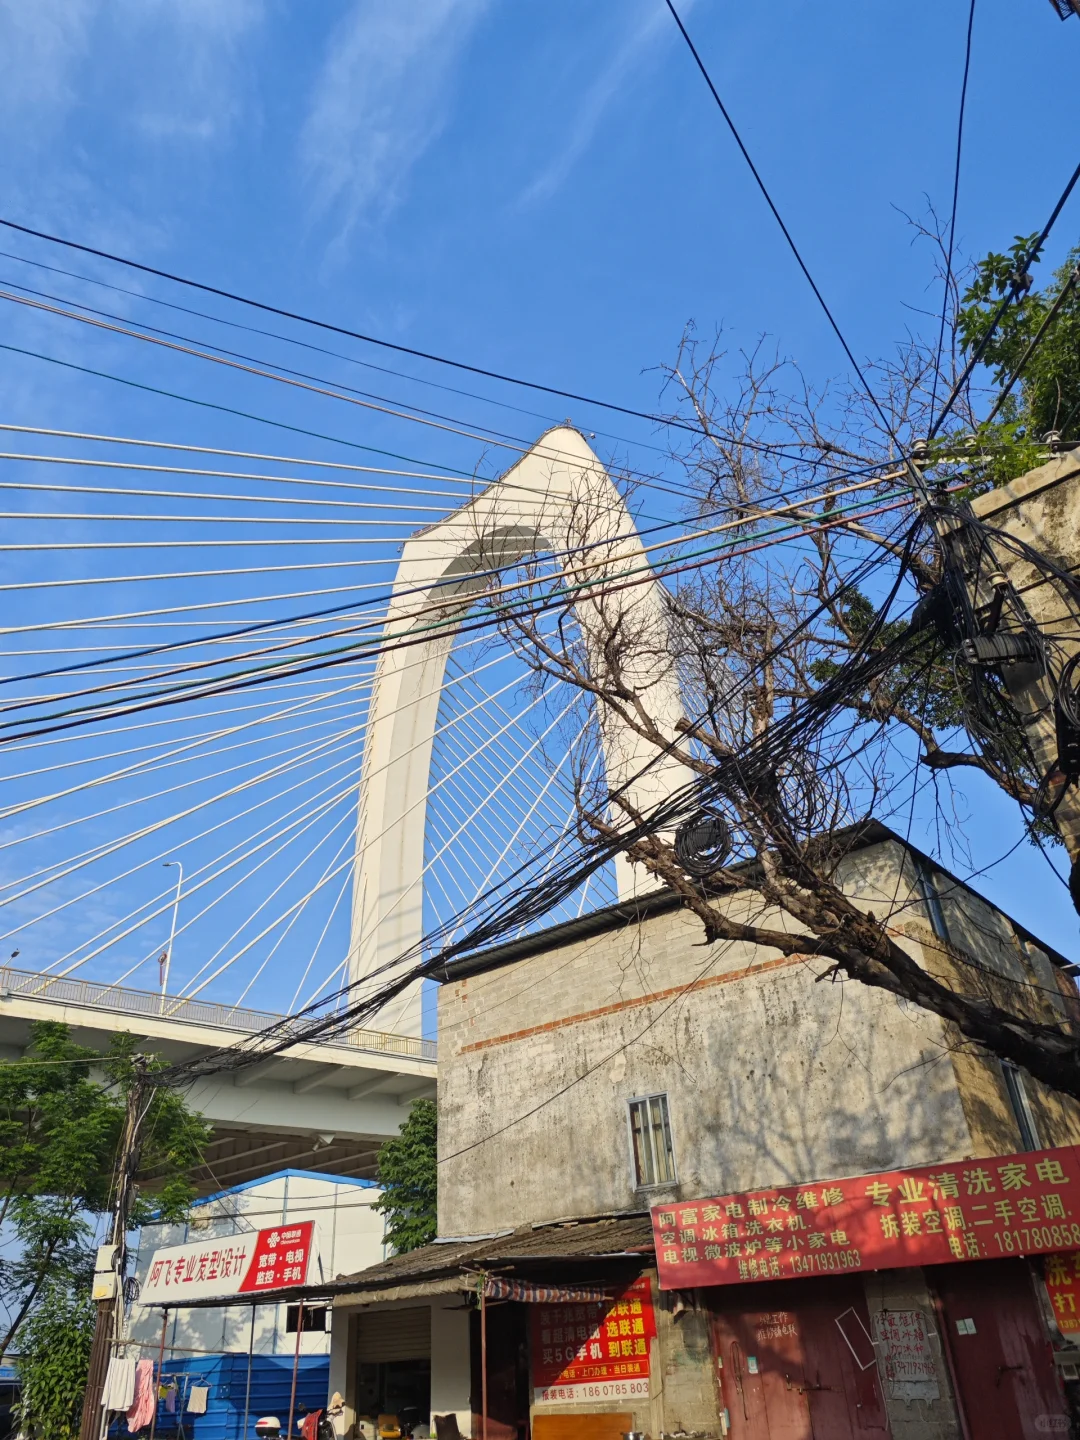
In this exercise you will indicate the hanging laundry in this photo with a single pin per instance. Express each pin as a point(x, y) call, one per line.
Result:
point(119, 1389)
point(171, 1392)
point(196, 1400)
point(144, 1400)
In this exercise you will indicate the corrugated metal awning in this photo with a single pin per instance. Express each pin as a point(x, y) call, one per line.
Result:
point(417, 1290)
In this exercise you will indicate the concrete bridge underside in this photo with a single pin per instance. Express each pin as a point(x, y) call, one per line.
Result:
point(326, 1107)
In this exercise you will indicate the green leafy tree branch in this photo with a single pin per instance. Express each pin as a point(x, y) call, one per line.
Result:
point(62, 1110)
point(408, 1173)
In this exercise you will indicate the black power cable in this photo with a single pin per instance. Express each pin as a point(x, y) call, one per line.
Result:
point(344, 330)
point(955, 199)
point(1019, 286)
point(914, 473)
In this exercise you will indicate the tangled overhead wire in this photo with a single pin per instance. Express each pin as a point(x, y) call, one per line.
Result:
point(977, 619)
point(703, 843)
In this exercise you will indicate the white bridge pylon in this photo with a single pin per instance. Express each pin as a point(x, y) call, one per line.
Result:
point(557, 498)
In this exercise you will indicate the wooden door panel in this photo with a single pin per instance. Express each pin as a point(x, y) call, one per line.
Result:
point(1001, 1356)
point(844, 1389)
point(808, 1385)
point(761, 1374)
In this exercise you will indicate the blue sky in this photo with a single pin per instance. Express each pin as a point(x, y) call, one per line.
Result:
point(541, 189)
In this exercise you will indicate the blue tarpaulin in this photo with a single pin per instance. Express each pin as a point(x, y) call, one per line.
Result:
point(226, 1378)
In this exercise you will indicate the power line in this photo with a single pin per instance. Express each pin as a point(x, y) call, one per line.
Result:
point(1036, 340)
point(306, 345)
point(299, 379)
point(353, 604)
point(655, 419)
point(229, 410)
point(380, 403)
point(343, 330)
point(91, 714)
point(1017, 287)
point(955, 198)
point(783, 227)
point(382, 641)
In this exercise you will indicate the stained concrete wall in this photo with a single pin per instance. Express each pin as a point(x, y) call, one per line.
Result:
point(683, 1385)
point(773, 1075)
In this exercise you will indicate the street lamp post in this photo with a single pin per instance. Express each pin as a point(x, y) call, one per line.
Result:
point(172, 931)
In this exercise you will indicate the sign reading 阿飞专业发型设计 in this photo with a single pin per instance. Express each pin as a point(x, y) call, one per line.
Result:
point(245, 1264)
point(983, 1209)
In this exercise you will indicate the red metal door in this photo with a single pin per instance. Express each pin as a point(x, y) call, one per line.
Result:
point(1001, 1357)
point(795, 1362)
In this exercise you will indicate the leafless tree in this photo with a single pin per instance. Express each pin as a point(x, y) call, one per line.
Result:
point(810, 705)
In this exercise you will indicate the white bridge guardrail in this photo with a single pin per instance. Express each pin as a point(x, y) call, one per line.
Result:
point(117, 999)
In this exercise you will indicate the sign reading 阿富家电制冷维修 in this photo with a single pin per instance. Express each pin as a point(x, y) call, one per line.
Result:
point(273, 1259)
point(985, 1209)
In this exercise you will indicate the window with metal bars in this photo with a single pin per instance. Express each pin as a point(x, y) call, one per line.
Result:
point(650, 1141)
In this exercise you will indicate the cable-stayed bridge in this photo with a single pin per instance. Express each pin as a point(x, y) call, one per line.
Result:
point(322, 795)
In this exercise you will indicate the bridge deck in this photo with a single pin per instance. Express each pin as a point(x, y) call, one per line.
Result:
point(327, 1105)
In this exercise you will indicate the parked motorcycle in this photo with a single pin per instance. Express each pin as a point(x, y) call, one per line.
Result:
point(310, 1425)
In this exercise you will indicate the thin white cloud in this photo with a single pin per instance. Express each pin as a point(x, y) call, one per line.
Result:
point(40, 41)
point(191, 56)
point(175, 64)
point(380, 100)
point(649, 24)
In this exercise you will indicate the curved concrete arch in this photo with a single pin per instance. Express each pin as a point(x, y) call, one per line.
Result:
point(557, 497)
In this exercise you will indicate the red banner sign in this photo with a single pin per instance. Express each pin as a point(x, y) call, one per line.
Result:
point(594, 1350)
point(1062, 1276)
point(270, 1259)
point(1024, 1204)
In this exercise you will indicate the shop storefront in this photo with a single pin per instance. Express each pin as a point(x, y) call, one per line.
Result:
point(519, 1335)
point(930, 1301)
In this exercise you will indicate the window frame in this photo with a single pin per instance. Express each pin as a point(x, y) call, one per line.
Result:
point(930, 895)
point(645, 1100)
point(1020, 1105)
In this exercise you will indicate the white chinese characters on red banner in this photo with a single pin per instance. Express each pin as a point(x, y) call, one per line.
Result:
point(596, 1350)
point(271, 1259)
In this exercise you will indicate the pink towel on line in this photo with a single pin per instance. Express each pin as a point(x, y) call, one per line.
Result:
point(142, 1406)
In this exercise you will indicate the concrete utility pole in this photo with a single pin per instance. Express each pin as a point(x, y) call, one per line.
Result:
point(91, 1426)
point(1041, 508)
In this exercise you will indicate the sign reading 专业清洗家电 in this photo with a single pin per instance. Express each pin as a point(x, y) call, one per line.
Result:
point(272, 1259)
point(593, 1351)
point(986, 1209)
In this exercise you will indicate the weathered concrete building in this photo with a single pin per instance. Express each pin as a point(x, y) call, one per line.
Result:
point(616, 1066)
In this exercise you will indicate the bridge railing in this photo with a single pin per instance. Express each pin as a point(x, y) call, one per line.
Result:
point(117, 999)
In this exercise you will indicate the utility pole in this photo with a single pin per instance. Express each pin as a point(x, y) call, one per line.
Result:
point(90, 1427)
